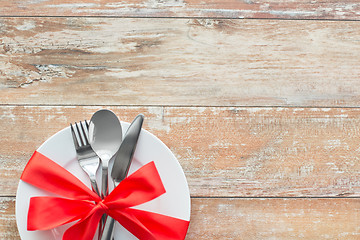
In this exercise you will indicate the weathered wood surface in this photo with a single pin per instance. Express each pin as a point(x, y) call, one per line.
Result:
point(275, 219)
point(251, 219)
point(8, 228)
point(199, 62)
point(250, 169)
point(298, 9)
point(224, 151)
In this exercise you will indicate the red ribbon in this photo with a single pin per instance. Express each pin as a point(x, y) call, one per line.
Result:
point(84, 206)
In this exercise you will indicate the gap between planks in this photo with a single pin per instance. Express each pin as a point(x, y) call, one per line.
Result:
point(230, 9)
point(175, 105)
point(189, 18)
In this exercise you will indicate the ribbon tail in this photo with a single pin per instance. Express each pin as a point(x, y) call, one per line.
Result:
point(84, 229)
point(149, 225)
point(132, 224)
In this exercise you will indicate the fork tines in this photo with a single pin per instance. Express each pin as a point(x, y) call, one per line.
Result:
point(80, 134)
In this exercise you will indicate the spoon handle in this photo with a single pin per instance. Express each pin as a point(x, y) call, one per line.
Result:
point(104, 193)
point(104, 183)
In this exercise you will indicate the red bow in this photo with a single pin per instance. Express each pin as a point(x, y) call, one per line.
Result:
point(80, 203)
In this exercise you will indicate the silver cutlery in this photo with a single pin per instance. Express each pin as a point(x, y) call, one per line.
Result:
point(87, 158)
point(105, 137)
point(122, 163)
point(100, 141)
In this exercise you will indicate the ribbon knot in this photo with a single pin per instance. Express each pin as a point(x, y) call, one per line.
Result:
point(78, 202)
point(103, 206)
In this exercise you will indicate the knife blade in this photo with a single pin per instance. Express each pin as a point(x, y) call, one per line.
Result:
point(122, 164)
point(126, 151)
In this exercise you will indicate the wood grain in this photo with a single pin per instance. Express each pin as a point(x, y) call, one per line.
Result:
point(224, 151)
point(274, 219)
point(236, 100)
point(179, 62)
point(297, 9)
point(252, 219)
point(8, 228)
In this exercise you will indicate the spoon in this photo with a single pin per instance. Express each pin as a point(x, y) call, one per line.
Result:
point(105, 136)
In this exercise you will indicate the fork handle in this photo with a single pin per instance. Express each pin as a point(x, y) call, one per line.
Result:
point(94, 186)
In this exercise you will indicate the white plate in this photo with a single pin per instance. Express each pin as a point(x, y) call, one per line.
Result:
point(59, 148)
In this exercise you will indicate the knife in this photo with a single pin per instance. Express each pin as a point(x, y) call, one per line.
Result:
point(122, 163)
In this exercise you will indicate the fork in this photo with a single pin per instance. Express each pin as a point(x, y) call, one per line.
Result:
point(87, 158)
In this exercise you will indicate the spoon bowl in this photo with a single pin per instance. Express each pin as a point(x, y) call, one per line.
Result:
point(105, 137)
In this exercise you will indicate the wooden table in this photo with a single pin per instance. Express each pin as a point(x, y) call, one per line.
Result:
point(258, 100)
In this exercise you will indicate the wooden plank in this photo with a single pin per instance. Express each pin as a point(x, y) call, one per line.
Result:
point(197, 62)
point(252, 219)
point(224, 151)
point(274, 219)
point(299, 9)
point(8, 228)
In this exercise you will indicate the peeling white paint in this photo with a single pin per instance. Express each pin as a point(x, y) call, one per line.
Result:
point(27, 25)
point(121, 48)
point(74, 5)
point(123, 73)
point(292, 13)
point(8, 115)
point(306, 170)
point(221, 144)
point(298, 110)
point(163, 3)
point(34, 1)
point(334, 142)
